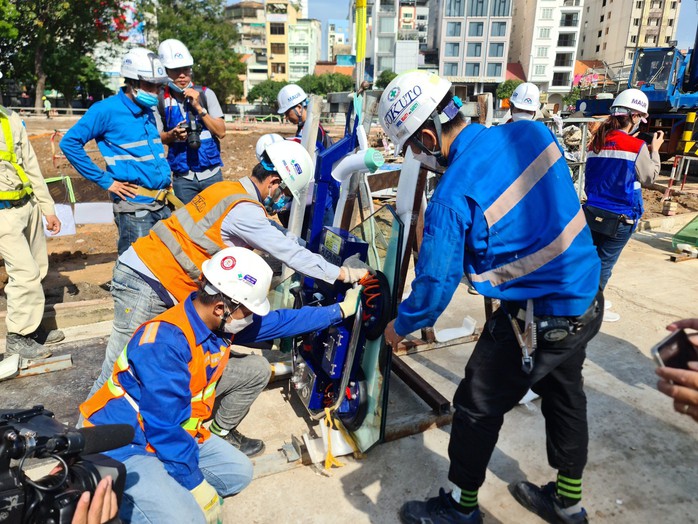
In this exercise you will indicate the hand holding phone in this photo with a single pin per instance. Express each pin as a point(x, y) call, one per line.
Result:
point(675, 351)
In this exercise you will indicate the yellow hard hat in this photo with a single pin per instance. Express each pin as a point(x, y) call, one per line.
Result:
point(43, 98)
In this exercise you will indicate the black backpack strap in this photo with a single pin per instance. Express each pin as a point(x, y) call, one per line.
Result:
point(202, 96)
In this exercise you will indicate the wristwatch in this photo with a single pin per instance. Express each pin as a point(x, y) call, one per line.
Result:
point(203, 112)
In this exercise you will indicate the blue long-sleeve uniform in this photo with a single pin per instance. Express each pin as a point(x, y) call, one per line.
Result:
point(129, 141)
point(159, 382)
point(505, 213)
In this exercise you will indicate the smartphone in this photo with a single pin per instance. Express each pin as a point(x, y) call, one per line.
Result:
point(646, 137)
point(675, 351)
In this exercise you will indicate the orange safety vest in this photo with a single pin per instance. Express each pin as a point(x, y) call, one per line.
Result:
point(203, 390)
point(176, 247)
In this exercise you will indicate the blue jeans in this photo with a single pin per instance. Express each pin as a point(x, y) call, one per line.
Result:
point(133, 226)
point(153, 496)
point(185, 189)
point(609, 248)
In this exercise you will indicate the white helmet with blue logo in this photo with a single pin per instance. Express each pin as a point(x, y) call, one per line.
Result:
point(174, 54)
point(526, 97)
point(409, 101)
point(290, 96)
point(142, 64)
point(293, 163)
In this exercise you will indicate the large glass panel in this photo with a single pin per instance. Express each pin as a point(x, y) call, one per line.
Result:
point(500, 7)
point(455, 7)
point(474, 49)
point(453, 28)
point(477, 7)
point(452, 49)
point(475, 28)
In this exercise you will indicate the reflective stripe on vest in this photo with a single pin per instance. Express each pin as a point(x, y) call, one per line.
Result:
point(11, 157)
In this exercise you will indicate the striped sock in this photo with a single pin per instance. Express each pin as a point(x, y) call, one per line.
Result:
point(217, 430)
point(569, 490)
point(465, 501)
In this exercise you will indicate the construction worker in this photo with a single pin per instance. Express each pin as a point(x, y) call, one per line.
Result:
point(24, 198)
point(137, 175)
point(162, 269)
point(525, 102)
point(186, 110)
point(47, 107)
point(509, 218)
point(618, 165)
point(164, 384)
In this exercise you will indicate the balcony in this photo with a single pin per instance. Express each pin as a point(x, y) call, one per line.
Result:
point(564, 63)
point(566, 40)
point(569, 21)
point(570, 3)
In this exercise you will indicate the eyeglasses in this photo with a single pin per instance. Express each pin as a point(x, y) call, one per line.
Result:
point(181, 71)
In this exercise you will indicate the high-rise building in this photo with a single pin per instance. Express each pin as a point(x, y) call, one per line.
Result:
point(474, 44)
point(279, 15)
point(248, 18)
point(304, 48)
point(337, 34)
point(544, 39)
point(612, 30)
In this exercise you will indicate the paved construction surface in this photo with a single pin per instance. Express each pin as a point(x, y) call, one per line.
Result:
point(642, 459)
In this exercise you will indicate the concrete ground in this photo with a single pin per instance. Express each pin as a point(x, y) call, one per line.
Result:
point(642, 456)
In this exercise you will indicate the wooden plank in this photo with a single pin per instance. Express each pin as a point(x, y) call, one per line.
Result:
point(415, 345)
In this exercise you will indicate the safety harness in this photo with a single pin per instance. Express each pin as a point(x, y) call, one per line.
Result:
point(9, 156)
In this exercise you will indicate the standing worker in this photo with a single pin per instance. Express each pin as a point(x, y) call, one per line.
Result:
point(123, 125)
point(618, 165)
point(24, 198)
point(165, 385)
point(191, 122)
point(163, 268)
point(47, 107)
point(509, 219)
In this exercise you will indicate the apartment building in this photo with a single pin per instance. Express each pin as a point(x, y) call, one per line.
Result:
point(544, 38)
point(250, 22)
point(280, 14)
point(474, 44)
point(337, 35)
point(612, 30)
point(304, 48)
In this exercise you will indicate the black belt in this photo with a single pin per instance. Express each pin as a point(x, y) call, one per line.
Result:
point(554, 326)
point(15, 203)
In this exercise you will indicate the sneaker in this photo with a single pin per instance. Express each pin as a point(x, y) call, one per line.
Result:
point(26, 347)
point(610, 316)
point(607, 304)
point(437, 510)
point(249, 446)
point(544, 502)
point(52, 336)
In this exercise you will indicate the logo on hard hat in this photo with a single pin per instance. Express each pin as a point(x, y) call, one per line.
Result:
point(249, 279)
point(127, 61)
point(297, 166)
point(402, 103)
point(293, 97)
point(394, 93)
point(528, 100)
point(178, 55)
point(228, 263)
point(641, 103)
point(161, 71)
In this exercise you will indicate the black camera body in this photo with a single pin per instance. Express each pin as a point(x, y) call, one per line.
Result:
point(193, 129)
point(35, 433)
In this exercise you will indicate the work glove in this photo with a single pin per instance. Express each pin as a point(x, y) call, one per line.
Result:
point(210, 503)
point(350, 302)
point(354, 269)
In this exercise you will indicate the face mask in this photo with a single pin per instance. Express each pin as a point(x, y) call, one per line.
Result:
point(146, 99)
point(174, 87)
point(237, 324)
point(277, 206)
point(516, 117)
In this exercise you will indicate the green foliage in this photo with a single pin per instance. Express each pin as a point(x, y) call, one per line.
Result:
point(326, 83)
point(209, 38)
point(74, 75)
point(571, 98)
point(266, 91)
point(506, 88)
point(385, 78)
point(8, 27)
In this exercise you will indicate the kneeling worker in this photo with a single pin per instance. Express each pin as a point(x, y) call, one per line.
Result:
point(164, 384)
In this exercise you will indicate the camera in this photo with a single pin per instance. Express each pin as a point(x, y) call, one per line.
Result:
point(193, 129)
point(36, 434)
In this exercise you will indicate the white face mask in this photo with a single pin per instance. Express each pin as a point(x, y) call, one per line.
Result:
point(235, 325)
point(516, 117)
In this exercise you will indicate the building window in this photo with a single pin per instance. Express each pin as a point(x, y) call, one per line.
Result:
point(598, 48)
point(566, 40)
point(500, 7)
point(638, 5)
point(387, 25)
point(603, 4)
point(406, 15)
point(561, 79)
point(607, 30)
point(499, 28)
point(546, 13)
point(278, 68)
point(472, 69)
point(277, 29)
point(453, 28)
point(494, 69)
point(475, 28)
point(630, 55)
point(278, 49)
point(453, 49)
point(544, 32)
point(670, 22)
point(451, 69)
point(667, 39)
point(609, 15)
point(633, 39)
point(600, 33)
point(563, 60)
point(601, 19)
point(656, 4)
point(385, 44)
point(569, 20)
point(653, 22)
point(650, 39)
point(673, 5)
point(604, 46)
point(539, 70)
point(496, 50)
point(636, 22)
point(476, 7)
point(541, 52)
point(455, 7)
point(474, 49)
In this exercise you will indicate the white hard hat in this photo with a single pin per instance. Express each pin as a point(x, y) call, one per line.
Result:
point(142, 64)
point(526, 97)
point(264, 141)
point(630, 101)
point(290, 96)
point(241, 275)
point(174, 54)
point(408, 101)
point(293, 163)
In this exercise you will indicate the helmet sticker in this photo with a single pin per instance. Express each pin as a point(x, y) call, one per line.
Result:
point(228, 263)
point(402, 103)
point(641, 103)
point(528, 100)
point(249, 279)
point(178, 55)
point(297, 167)
point(394, 93)
point(128, 61)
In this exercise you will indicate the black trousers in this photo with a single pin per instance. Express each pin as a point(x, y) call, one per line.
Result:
point(495, 382)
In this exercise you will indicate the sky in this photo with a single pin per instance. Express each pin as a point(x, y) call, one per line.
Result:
point(326, 9)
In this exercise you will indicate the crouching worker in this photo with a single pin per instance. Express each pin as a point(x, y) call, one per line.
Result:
point(164, 385)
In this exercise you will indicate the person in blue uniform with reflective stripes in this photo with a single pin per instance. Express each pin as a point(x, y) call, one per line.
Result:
point(137, 175)
point(505, 213)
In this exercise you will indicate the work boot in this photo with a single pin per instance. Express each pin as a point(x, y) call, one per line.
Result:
point(545, 502)
point(249, 446)
point(437, 510)
point(52, 336)
point(26, 347)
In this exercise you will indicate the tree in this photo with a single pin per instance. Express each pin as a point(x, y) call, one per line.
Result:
point(571, 98)
point(265, 91)
point(202, 27)
point(385, 78)
point(72, 74)
point(45, 26)
point(506, 88)
point(326, 83)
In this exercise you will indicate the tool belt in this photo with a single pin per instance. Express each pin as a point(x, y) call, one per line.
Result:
point(4, 204)
point(554, 328)
point(164, 196)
